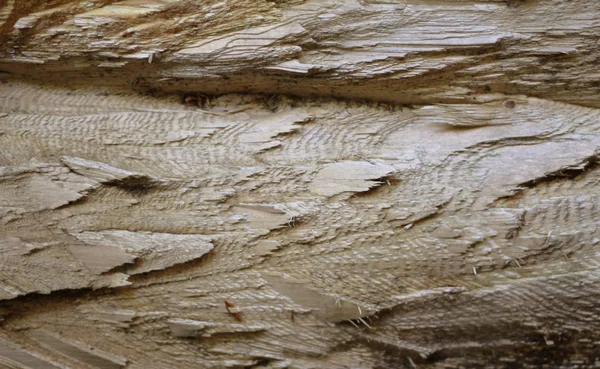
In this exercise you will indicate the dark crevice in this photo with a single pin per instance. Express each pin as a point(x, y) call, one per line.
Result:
point(260, 363)
point(422, 218)
point(122, 268)
point(508, 141)
point(571, 172)
point(137, 185)
point(32, 300)
point(20, 305)
point(567, 173)
point(146, 278)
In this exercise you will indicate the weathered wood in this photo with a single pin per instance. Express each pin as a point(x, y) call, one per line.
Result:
point(299, 184)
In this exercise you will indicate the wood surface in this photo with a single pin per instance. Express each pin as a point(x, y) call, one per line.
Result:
point(299, 184)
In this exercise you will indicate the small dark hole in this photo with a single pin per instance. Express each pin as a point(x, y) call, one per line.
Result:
point(510, 104)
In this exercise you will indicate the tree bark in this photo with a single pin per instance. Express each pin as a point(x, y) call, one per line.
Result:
point(299, 184)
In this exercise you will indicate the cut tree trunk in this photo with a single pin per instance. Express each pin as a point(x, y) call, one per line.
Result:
point(299, 184)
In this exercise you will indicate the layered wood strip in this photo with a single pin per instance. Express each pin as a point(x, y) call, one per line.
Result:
point(409, 51)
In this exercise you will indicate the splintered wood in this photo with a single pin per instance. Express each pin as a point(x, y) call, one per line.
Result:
point(402, 51)
point(364, 227)
point(299, 184)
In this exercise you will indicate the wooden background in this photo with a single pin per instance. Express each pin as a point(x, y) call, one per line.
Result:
point(299, 184)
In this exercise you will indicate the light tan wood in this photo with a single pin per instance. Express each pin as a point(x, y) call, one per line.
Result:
point(299, 184)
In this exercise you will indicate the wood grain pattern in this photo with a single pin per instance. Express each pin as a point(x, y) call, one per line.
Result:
point(299, 184)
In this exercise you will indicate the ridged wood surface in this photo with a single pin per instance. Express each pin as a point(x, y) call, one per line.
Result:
point(299, 184)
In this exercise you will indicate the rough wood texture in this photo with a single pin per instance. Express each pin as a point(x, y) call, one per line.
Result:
point(299, 184)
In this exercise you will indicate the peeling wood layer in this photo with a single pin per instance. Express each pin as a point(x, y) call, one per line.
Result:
point(397, 51)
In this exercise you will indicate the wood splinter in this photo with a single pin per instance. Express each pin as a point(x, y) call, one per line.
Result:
point(235, 314)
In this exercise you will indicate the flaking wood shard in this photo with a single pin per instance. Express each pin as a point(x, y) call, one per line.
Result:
point(299, 184)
